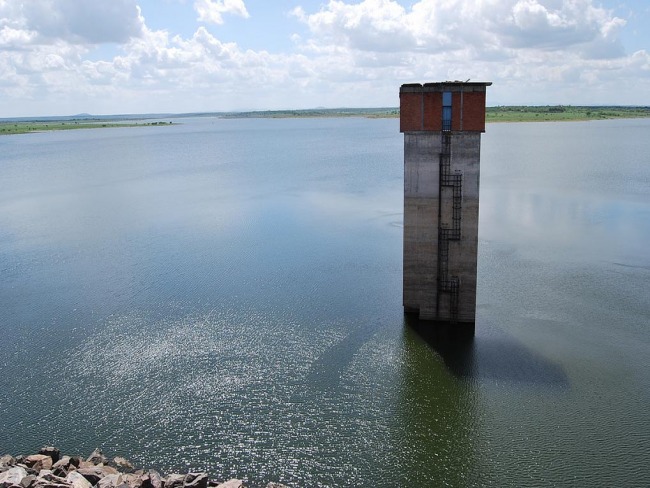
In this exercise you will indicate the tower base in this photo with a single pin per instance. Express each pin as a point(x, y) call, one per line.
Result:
point(442, 329)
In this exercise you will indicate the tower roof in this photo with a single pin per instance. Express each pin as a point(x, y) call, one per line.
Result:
point(453, 86)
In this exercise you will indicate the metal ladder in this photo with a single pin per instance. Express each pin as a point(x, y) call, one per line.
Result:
point(448, 284)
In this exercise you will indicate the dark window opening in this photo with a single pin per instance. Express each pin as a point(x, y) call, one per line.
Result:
point(446, 111)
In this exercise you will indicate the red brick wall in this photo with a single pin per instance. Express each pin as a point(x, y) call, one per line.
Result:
point(433, 111)
point(474, 111)
point(423, 111)
point(410, 112)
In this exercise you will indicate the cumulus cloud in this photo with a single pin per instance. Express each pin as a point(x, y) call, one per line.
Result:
point(442, 25)
point(347, 54)
point(79, 22)
point(211, 11)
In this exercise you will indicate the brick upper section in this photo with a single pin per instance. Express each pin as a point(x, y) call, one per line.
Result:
point(410, 111)
point(421, 106)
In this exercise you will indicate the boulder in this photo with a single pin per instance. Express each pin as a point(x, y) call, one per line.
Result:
point(122, 464)
point(50, 476)
point(152, 479)
point(38, 462)
point(28, 481)
point(13, 476)
point(77, 480)
point(66, 464)
point(174, 481)
point(132, 480)
point(96, 473)
point(276, 485)
point(62, 466)
point(50, 484)
point(109, 470)
point(195, 480)
point(7, 462)
point(110, 481)
point(51, 451)
point(96, 457)
point(233, 483)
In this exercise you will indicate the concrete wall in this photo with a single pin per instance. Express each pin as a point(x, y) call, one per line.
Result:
point(427, 205)
point(421, 203)
point(421, 178)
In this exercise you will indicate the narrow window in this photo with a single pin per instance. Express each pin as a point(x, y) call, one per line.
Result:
point(446, 110)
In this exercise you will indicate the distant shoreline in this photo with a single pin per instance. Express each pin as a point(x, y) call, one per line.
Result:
point(27, 126)
point(559, 113)
point(548, 113)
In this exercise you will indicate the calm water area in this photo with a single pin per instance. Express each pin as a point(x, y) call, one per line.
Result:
point(225, 295)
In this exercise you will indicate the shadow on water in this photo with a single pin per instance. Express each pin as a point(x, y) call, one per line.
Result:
point(493, 355)
point(327, 369)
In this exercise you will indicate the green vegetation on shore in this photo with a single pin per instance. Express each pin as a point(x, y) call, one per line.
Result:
point(493, 114)
point(24, 127)
point(384, 112)
point(562, 113)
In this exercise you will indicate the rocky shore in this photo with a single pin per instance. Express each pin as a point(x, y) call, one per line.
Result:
point(50, 469)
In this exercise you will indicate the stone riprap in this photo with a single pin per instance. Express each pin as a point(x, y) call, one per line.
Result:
point(49, 469)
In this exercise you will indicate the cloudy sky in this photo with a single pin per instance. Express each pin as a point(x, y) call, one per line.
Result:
point(61, 57)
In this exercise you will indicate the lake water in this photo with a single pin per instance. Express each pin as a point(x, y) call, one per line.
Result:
point(225, 295)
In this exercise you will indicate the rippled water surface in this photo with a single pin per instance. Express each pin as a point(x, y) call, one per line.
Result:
point(225, 295)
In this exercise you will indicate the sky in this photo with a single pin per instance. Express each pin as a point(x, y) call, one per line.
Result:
point(65, 57)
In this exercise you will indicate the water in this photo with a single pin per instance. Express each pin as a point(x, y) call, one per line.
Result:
point(225, 295)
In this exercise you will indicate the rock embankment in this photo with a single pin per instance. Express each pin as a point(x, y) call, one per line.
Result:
point(50, 469)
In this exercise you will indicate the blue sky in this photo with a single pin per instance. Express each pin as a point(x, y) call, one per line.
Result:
point(60, 57)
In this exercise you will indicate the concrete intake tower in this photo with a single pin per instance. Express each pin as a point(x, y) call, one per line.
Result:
point(442, 125)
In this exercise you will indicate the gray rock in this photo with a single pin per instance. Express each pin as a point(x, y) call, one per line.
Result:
point(110, 481)
point(38, 462)
point(50, 476)
point(51, 451)
point(152, 479)
point(96, 473)
point(28, 481)
point(96, 457)
point(62, 466)
point(13, 476)
point(195, 480)
point(7, 461)
point(63, 462)
point(67, 463)
point(49, 484)
point(122, 464)
point(132, 480)
point(78, 480)
point(276, 485)
point(233, 483)
point(174, 480)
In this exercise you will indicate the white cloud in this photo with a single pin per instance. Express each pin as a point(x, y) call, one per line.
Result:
point(11, 38)
point(73, 21)
point(211, 11)
point(348, 54)
point(442, 25)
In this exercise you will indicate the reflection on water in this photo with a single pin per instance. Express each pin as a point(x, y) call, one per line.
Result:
point(439, 433)
point(226, 295)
